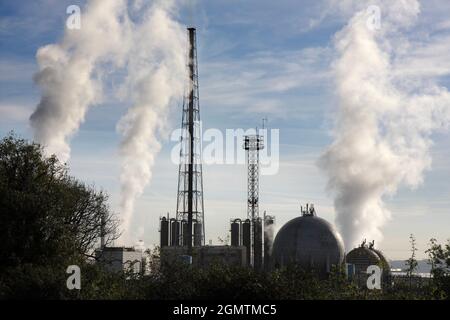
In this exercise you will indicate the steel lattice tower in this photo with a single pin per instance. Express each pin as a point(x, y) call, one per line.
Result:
point(252, 144)
point(190, 208)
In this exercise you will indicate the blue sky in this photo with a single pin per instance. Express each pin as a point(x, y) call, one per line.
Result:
point(256, 59)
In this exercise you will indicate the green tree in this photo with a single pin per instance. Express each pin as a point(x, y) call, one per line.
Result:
point(411, 263)
point(439, 259)
point(48, 219)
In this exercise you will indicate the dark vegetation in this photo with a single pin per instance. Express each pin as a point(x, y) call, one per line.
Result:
point(49, 220)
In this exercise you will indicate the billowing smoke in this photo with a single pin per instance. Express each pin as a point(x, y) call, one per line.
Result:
point(69, 74)
point(383, 122)
point(155, 76)
point(146, 42)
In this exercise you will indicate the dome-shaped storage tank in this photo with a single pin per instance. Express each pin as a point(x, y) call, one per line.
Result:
point(364, 256)
point(383, 260)
point(310, 242)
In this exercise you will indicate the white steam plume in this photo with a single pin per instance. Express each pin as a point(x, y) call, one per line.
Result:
point(382, 126)
point(152, 51)
point(155, 76)
point(69, 73)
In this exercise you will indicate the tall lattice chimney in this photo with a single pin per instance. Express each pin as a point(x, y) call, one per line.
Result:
point(190, 210)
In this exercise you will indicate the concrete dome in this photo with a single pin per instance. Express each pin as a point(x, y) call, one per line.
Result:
point(310, 242)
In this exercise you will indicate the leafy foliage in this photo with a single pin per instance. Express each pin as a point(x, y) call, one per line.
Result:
point(411, 263)
point(49, 220)
point(439, 259)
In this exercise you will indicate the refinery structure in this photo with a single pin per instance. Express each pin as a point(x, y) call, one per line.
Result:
point(183, 236)
point(307, 240)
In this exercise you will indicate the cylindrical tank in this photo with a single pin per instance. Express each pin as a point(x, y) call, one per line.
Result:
point(164, 225)
point(246, 239)
point(185, 236)
point(258, 243)
point(174, 232)
point(198, 234)
point(310, 242)
point(236, 233)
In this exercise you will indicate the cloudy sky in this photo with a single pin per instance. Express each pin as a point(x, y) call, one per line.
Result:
point(257, 59)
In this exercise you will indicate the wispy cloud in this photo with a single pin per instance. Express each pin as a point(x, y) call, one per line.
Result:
point(14, 113)
point(425, 59)
point(14, 70)
point(260, 81)
point(34, 18)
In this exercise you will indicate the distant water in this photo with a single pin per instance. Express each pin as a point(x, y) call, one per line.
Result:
point(402, 273)
point(422, 266)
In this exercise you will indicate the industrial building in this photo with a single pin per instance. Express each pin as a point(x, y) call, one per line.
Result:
point(184, 234)
point(120, 259)
point(205, 256)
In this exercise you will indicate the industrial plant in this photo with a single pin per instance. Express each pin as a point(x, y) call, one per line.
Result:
point(183, 236)
point(307, 241)
point(138, 160)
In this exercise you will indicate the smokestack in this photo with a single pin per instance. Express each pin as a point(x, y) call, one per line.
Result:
point(191, 135)
point(190, 179)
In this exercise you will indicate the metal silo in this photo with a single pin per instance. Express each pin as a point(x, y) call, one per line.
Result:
point(236, 232)
point(258, 243)
point(174, 232)
point(185, 236)
point(164, 233)
point(198, 234)
point(246, 238)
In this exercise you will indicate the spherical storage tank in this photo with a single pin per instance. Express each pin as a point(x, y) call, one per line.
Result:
point(362, 257)
point(366, 255)
point(310, 242)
